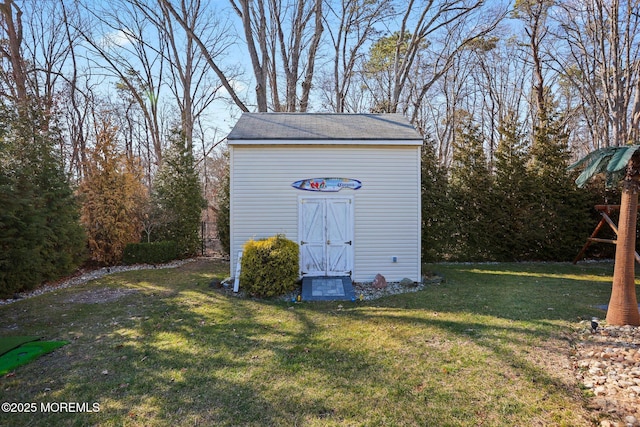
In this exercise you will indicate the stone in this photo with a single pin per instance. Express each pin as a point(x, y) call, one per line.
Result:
point(379, 282)
point(584, 363)
point(408, 282)
point(605, 364)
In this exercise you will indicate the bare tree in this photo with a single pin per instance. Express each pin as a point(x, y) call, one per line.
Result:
point(351, 24)
point(209, 55)
point(189, 77)
point(500, 78)
point(48, 46)
point(600, 58)
point(79, 101)
point(11, 51)
point(121, 39)
point(404, 66)
point(431, 35)
point(533, 14)
point(482, 83)
point(272, 52)
point(54, 76)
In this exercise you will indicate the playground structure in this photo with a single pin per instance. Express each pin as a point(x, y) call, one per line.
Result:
point(605, 211)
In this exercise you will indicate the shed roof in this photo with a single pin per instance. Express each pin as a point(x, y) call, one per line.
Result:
point(323, 127)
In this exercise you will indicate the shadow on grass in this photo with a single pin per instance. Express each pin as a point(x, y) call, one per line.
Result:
point(176, 352)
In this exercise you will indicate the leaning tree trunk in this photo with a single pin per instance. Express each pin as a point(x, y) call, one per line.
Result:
point(623, 305)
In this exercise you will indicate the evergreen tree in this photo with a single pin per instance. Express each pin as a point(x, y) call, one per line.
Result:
point(437, 207)
point(113, 199)
point(224, 214)
point(471, 184)
point(177, 194)
point(40, 235)
point(64, 246)
point(512, 194)
point(21, 222)
point(563, 211)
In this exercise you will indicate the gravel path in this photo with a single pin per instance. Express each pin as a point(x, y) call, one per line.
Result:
point(83, 276)
point(607, 363)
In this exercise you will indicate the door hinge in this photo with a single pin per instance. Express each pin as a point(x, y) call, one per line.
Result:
point(348, 243)
point(302, 242)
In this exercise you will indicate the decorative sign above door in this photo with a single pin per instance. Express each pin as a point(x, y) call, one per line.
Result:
point(327, 184)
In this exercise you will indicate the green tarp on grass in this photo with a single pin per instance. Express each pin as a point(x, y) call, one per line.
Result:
point(25, 353)
point(9, 343)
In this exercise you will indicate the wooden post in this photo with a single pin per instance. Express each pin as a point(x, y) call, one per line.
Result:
point(589, 241)
point(604, 210)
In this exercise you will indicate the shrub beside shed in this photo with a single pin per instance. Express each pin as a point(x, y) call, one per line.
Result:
point(345, 187)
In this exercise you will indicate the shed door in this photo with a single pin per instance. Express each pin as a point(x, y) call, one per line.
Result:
point(326, 242)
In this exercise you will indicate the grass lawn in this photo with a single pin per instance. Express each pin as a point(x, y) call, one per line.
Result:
point(488, 346)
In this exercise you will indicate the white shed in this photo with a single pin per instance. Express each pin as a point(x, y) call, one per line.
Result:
point(345, 187)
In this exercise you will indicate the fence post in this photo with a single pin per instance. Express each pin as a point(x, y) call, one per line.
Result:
point(202, 231)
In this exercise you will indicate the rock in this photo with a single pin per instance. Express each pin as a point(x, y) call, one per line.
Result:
point(408, 282)
point(366, 290)
point(584, 363)
point(605, 363)
point(379, 282)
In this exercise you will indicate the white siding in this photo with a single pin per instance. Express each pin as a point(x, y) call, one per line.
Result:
point(386, 208)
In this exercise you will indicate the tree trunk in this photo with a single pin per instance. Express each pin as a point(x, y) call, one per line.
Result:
point(12, 40)
point(313, 51)
point(623, 305)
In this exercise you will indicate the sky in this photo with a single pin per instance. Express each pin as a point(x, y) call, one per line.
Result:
point(222, 114)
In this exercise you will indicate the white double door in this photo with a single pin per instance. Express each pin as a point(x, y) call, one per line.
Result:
point(325, 230)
